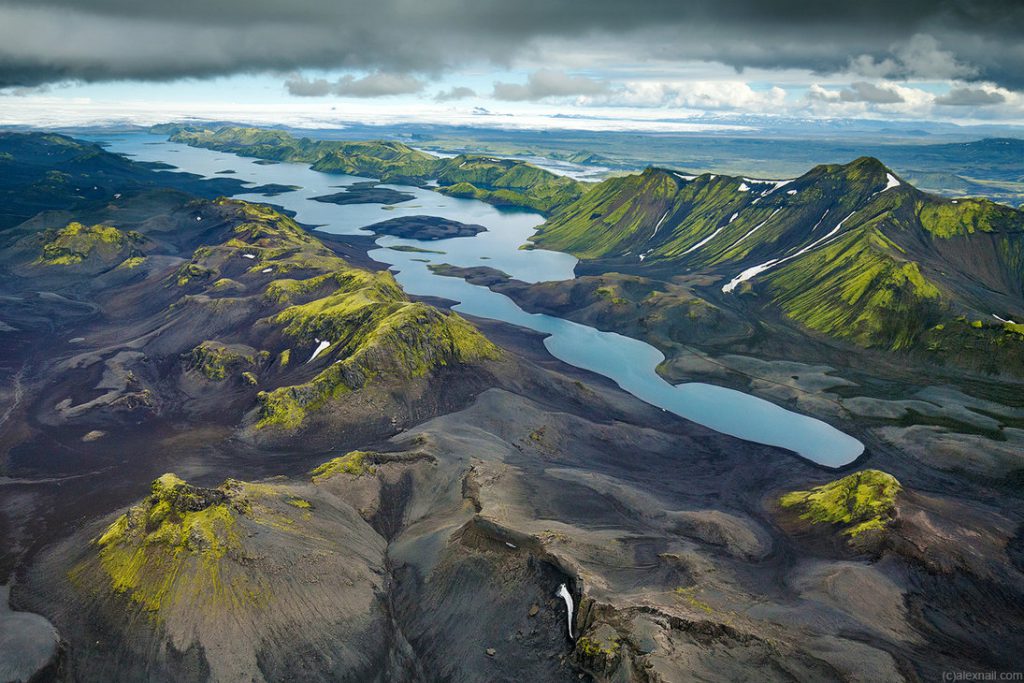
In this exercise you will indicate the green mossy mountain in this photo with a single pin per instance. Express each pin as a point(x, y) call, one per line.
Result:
point(168, 550)
point(503, 182)
point(350, 326)
point(846, 250)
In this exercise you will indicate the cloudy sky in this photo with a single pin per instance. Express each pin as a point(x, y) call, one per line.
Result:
point(592, 63)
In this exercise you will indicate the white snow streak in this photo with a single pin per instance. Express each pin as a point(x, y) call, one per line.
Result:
point(711, 236)
point(820, 220)
point(564, 593)
point(320, 347)
point(747, 274)
point(767, 265)
point(755, 229)
point(891, 182)
point(659, 223)
point(704, 241)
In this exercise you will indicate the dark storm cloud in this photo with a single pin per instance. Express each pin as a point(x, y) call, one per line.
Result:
point(970, 97)
point(111, 39)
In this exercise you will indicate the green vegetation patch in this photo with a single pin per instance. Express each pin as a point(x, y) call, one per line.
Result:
point(688, 594)
point(180, 530)
point(946, 218)
point(375, 340)
point(132, 262)
point(993, 348)
point(185, 547)
point(373, 330)
point(216, 360)
point(861, 288)
point(860, 502)
point(355, 463)
point(75, 243)
point(588, 647)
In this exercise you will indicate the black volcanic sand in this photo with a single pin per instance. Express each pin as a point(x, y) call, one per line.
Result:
point(425, 228)
point(29, 644)
point(365, 193)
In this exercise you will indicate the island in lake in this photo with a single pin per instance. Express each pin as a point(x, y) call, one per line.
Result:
point(425, 228)
point(365, 193)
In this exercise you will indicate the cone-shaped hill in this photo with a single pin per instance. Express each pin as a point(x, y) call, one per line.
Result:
point(240, 581)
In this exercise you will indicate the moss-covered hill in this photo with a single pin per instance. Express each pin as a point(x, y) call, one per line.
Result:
point(324, 328)
point(503, 182)
point(857, 503)
point(102, 244)
point(249, 579)
point(846, 250)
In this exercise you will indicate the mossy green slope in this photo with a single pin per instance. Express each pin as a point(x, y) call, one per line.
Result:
point(903, 264)
point(709, 219)
point(506, 182)
point(360, 325)
point(503, 182)
point(617, 217)
point(860, 287)
point(354, 463)
point(381, 339)
point(858, 502)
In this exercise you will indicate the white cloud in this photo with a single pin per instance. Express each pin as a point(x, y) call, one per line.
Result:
point(919, 57)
